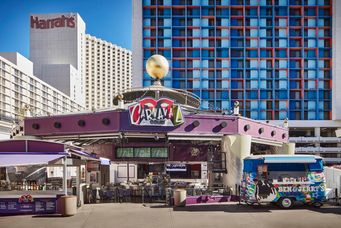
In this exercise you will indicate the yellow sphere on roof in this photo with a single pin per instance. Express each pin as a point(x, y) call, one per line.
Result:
point(157, 66)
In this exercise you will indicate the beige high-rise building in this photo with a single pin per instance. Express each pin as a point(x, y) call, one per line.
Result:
point(107, 72)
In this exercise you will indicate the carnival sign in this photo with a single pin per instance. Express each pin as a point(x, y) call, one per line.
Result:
point(151, 112)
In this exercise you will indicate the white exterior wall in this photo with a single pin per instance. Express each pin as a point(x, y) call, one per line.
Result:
point(119, 172)
point(19, 88)
point(137, 44)
point(336, 103)
point(81, 27)
point(333, 179)
point(59, 46)
point(58, 76)
point(20, 61)
point(5, 129)
point(108, 72)
point(64, 77)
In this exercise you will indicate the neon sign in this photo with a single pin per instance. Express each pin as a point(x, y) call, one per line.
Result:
point(151, 112)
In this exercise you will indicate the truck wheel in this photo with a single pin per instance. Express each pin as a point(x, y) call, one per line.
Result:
point(255, 205)
point(317, 204)
point(286, 203)
point(249, 203)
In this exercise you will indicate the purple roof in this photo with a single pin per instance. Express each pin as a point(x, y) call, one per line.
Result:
point(119, 121)
point(14, 145)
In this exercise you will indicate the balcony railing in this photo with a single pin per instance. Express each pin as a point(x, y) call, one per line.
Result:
point(315, 139)
point(318, 150)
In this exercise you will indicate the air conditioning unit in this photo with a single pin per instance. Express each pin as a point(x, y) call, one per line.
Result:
point(338, 133)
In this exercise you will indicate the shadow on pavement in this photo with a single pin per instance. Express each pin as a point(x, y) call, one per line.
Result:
point(328, 210)
point(242, 208)
point(48, 216)
point(231, 208)
point(158, 206)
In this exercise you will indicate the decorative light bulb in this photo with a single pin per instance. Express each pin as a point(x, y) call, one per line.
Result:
point(157, 66)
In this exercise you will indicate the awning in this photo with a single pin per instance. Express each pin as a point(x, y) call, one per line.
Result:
point(25, 158)
point(194, 137)
point(83, 154)
point(290, 159)
point(266, 142)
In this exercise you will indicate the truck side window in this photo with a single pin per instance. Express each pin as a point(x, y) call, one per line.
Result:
point(318, 166)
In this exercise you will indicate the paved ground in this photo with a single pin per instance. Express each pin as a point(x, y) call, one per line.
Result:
point(207, 216)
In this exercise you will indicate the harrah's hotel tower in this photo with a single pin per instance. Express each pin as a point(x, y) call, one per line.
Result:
point(88, 69)
point(278, 58)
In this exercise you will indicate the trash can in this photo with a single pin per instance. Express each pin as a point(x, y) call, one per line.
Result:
point(180, 197)
point(67, 205)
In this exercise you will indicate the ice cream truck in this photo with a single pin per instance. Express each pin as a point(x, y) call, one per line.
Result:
point(283, 179)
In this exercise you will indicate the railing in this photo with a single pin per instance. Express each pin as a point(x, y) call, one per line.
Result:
point(332, 160)
point(7, 118)
point(148, 194)
point(318, 149)
point(315, 139)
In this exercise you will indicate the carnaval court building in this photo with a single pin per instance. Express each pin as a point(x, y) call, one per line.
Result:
point(156, 129)
point(278, 58)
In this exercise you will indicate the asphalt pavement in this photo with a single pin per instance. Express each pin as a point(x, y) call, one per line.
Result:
point(155, 215)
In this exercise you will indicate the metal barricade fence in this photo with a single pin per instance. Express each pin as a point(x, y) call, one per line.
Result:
point(151, 194)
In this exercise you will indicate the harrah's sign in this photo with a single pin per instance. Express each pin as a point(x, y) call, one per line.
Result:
point(151, 112)
point(59, 22)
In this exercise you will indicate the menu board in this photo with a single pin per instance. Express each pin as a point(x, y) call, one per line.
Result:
point(125, 152)
point(92, 166)
point(159, 152)
point(142, 152)
point(38, 206)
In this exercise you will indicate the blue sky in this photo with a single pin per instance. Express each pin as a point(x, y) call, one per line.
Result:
point(110, 20)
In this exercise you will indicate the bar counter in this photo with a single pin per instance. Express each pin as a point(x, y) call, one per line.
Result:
point(29, 202)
